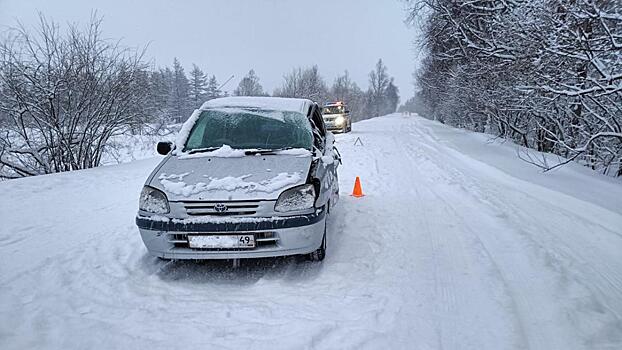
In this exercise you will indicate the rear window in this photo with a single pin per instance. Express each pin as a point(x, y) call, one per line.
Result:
point(250, 129)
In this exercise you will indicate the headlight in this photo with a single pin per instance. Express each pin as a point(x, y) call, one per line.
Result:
point(340, 120)
point(153, 201)
point(297, 198)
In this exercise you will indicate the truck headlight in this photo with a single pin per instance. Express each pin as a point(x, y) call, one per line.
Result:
point(297, 198)
point(340, 120)
point(153, 201)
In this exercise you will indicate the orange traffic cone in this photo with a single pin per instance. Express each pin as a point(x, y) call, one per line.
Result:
point(358, 191)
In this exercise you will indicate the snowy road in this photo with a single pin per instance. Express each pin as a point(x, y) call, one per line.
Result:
point(457, 245)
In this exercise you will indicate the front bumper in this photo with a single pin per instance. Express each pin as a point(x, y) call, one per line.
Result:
point(278, 236)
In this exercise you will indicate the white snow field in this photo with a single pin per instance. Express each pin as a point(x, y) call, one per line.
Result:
point(457, 244)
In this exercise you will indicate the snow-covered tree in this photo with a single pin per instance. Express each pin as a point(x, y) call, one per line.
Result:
point(304, 83)
point(378, 101)
point(392, 96)
point(346, 90)
point(547, 74)
point(180, 94)
point(64, 95)
point(212, 90)
point(198, 86)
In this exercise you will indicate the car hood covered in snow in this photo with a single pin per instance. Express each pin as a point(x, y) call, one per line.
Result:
point(230, 178)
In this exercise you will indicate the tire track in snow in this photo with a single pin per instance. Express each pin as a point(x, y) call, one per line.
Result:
point(432, 177)
point(439, 266)
point(445, 287)
point(570, 305)
point(578, 229)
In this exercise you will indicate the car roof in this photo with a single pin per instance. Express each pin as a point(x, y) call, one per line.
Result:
point(300, 105)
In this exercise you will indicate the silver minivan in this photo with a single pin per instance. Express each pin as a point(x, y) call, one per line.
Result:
point(247, 177)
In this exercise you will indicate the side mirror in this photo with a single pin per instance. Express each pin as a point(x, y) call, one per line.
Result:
point(347, 111)
point(164, 148)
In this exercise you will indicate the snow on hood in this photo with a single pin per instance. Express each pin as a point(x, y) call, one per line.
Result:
point(229, 184)
point(230, 178)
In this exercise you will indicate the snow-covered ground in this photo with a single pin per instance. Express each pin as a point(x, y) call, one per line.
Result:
point(456, 245)
point(127, 147)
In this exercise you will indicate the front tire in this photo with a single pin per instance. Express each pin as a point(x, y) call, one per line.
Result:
point(320, 253)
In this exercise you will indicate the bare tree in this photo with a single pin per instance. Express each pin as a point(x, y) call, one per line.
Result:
point(63, 96)
point(304, 83)
point(382, 95)
point(249, 86)
point(345, 89)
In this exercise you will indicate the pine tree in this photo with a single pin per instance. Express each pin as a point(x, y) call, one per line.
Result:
point(159, 93)
point(392, 98)
point(212, 90)
point(198, 86)
point(180, 91)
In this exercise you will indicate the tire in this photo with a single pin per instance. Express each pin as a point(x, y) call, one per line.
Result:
point(320, 253)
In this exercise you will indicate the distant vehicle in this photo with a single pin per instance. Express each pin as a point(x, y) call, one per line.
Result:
point(337, 117)
point(248, 177)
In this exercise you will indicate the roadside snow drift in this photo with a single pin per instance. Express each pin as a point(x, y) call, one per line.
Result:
point(456, 245)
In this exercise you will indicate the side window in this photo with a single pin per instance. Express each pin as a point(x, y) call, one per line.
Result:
point(319, 132)
point(317, 116)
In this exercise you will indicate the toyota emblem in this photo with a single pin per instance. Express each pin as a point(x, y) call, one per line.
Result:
point(220, 208)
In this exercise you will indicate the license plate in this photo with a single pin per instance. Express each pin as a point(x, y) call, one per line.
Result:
point(224, 241)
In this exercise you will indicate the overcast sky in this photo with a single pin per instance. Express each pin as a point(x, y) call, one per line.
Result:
point(230, 37)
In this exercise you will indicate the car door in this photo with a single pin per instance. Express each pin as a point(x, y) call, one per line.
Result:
point(326, 161)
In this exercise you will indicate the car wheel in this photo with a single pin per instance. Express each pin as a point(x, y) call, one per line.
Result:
point(320, 253)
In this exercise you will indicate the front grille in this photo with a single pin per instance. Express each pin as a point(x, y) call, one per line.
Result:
point(233, 208)
point(262, 239)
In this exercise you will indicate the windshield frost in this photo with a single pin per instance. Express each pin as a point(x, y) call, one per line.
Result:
point(250, 129)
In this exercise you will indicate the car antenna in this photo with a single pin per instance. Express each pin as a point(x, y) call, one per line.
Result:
point(225, 83)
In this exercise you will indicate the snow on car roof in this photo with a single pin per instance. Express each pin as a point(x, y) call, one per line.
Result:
point(269, 103)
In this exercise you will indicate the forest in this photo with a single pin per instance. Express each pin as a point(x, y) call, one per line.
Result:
point(546, 74)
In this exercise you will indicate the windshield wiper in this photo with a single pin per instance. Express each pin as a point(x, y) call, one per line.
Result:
point(200, 150)
point(266, 151)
